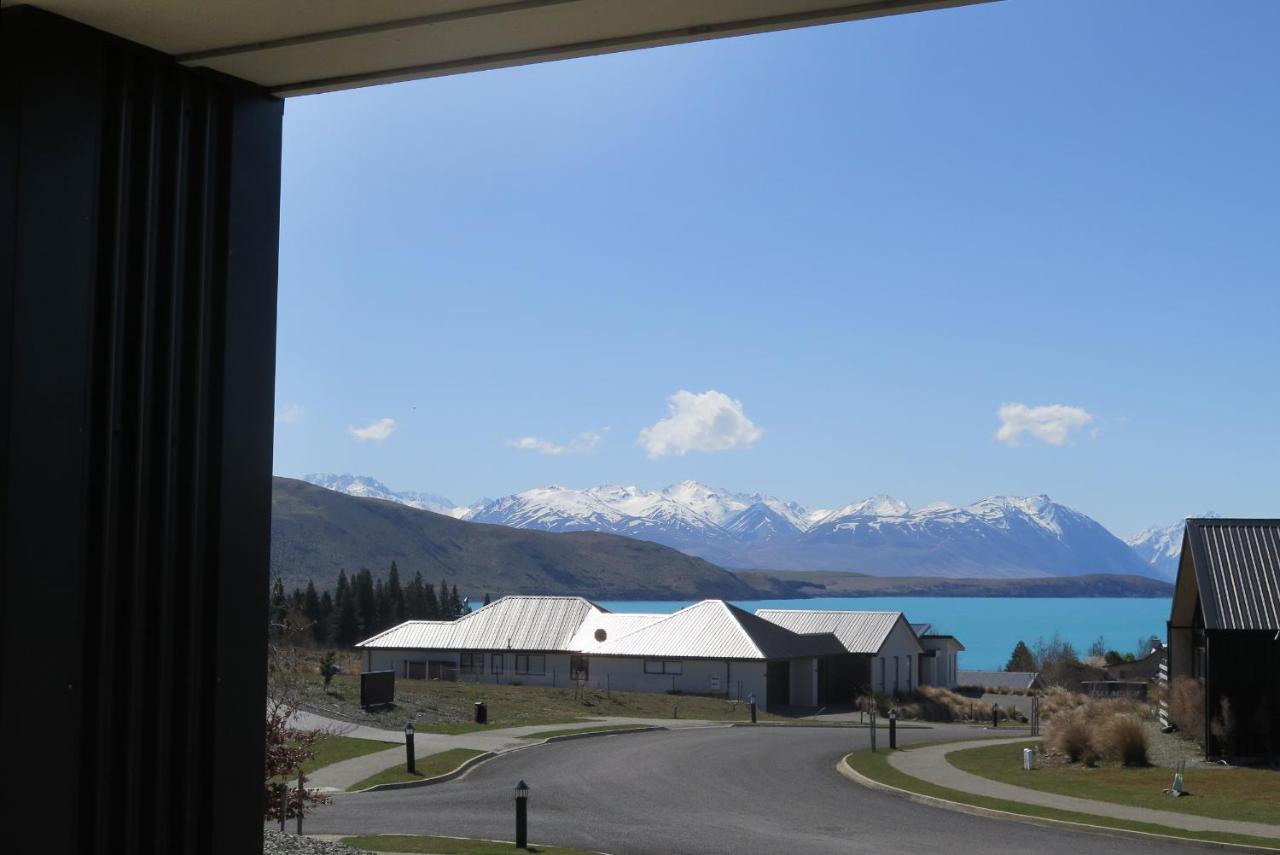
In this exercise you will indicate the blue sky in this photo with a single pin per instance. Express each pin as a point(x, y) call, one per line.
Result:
point(866, 238)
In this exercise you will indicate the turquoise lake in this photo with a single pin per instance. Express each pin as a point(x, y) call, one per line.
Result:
point(988, 627)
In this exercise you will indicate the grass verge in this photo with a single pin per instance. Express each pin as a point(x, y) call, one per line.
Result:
point(427, 767)
point(334, 749)
point(448, 845)
point(600, 728)
point(876, 767)
point(1247, 795)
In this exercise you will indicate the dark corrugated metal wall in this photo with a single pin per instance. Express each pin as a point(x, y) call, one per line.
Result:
point(145, 247)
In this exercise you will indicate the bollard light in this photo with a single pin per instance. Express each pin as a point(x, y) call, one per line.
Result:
point(409, 762)
point(522, 815)
point(408, 729)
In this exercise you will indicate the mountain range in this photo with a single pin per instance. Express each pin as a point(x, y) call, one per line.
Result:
point(1161, 546)
point(994, 537)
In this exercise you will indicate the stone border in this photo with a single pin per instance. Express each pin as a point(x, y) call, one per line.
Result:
point(854, 775)
point(469, 764)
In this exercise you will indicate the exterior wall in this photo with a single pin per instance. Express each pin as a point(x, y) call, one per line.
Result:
point(893, 669)
point(556, 671)
point(739, 678)
point(941, 669)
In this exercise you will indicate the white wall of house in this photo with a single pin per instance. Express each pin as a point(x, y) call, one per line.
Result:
point(943, 670)
point(893, 668)
point(694, 676)
point(481, 666)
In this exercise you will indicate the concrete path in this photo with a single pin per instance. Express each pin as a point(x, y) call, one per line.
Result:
point(338, 777)
point(930, 764)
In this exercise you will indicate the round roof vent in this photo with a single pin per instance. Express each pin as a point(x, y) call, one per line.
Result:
point(601, 635)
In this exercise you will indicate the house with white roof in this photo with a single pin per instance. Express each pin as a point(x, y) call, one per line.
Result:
point(780, 656)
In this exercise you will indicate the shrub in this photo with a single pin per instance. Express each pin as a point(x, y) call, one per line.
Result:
point(1071, 733)
point(1223, 727)
point(1186, 707)
point(1124, 739)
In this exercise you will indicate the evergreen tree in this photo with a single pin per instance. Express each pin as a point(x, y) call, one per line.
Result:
point(296, 600)
point(342, 590)
point(311, 603)
point(1022, 659)
point(487, 598)
point(430, 605)
point(395, 597)
point(415, 604)
point(444, 603)
point(279, 605)
point(457, 604)
point(346, 629)
point(381, 607)
point(366, 604)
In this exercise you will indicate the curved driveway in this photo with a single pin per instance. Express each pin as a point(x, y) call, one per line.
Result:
point(735, 790)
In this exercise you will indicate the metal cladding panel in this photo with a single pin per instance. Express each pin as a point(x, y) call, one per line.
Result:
point(713, 629)
point(517, 623)
point(1237, 564)
point(859, 632)
point(1021, 680)
point(139, 255)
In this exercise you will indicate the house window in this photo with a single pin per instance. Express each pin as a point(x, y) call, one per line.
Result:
point(471, 663)
point(495, 663)
point(527, 664)
point(663, 666)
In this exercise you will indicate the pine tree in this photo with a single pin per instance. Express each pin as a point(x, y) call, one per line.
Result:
point(279, 605)
point(430, 605)
point(366, 604)
point(346, 630)
point(414, 603)
point(296, 600)
point(456, 604)
point(322, 629)
point(487, 598)
point(395, 597)
point(444, 602)
point(311, 602)
point(1022, 659)
point(381, 607)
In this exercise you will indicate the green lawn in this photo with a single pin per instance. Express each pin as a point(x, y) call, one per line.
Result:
point(876, 767)
point(444, 707)
point(599, 728)
point(448, 845)
point(426, 767)
point(1250, 795)
point(334, 748)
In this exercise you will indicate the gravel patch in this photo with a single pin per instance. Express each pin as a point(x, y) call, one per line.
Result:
point(280, 843)
point(1166, 749)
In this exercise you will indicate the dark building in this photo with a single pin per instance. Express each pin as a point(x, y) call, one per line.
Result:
point(1224, 629)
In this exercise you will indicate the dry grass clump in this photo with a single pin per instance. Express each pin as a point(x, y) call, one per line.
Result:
point(938, 704)
point(1186, 707)
point(1109, 729)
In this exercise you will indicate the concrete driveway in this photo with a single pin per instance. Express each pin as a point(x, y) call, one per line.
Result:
point(770, 791)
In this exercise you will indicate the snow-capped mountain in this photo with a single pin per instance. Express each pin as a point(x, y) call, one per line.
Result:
point(370, 488)
point(1161, 546)
point(998, 536)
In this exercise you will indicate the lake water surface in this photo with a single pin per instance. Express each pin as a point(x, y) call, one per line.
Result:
point(988, 627)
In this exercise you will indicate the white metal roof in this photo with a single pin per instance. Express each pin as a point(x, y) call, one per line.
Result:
point(859, 632)
point(714, 629)
point(518, 623)
point(612, 624)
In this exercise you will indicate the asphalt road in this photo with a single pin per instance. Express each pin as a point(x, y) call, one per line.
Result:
point(713, 790)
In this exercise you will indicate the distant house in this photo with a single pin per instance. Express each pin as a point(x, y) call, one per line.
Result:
point(1147, 668)
point(1013, 681)
point(780, 656)
point(940, 659)
point(1224, 627)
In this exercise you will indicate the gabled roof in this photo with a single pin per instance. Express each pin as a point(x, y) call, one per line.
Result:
point(612, 624)
point(521, 623)
point(1020, 680)
point(1236, 563)
point(714, 629)
point(859, 632)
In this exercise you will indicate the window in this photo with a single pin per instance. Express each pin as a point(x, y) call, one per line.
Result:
point(495, 664)
point(663, 666)
point(527, 664)
point(895, 675)
point(908, 673)
point(471, 663)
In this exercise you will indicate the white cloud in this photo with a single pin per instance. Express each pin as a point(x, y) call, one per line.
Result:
point(287, 414)
point(709, 421)
point(374, 432)
point(583, 443)
point(1051, 423)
